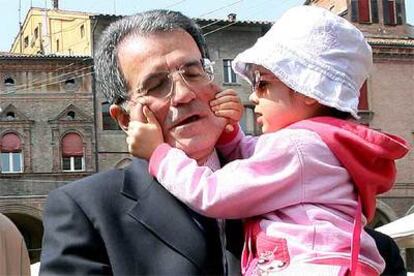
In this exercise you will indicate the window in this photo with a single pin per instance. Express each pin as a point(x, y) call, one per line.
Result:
point(374, 11)
point(107, 122)
point(71, 84)
point(10, 116)
point(70, 115)
point(26, 42)
point(364, 11)
point(11, 154)
point(36, 33)
point(72, 163)
point(248, 121)
point(72, 153)
point(9, 82)
point(82, 31)
point(392, 12)
point(57, 45)
point(229, 75)
point(363, 97)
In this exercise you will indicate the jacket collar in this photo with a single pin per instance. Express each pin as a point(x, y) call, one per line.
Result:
point(162, 214)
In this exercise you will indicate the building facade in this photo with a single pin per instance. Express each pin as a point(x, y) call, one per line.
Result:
point(54, 31)
point(47, 134)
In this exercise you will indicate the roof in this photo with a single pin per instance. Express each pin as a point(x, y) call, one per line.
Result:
point(8, 55)
point(61, 11)
point(198, 20)
point(226, 21)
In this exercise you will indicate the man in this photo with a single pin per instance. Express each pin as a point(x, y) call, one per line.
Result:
point(122, 221)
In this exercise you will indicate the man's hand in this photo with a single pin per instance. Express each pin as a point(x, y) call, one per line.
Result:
point(227, 104)
point(144, 137)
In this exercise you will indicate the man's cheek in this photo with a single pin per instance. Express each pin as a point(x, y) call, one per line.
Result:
point(209, 91)
point(136, 113)
point(219, 122)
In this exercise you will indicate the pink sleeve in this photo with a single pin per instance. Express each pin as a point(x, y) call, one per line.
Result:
point(269, 179)
point(236, 146)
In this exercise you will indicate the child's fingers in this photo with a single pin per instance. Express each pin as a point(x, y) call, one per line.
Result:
point(225, 99)
point(134, 126)
point(226, 92)
point(150, 116)
point(229, 128)
point(227, 105)
point(233, 115)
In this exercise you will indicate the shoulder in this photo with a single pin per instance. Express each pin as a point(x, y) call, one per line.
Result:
point(92, 185)
point(101, 188)
point(295, 138)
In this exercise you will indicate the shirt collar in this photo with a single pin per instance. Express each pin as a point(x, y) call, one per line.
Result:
point(213, 161)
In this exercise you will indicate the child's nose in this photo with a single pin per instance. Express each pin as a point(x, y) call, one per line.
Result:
point(253, 98)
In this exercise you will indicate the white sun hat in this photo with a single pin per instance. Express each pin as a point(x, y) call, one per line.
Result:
point(315, 53)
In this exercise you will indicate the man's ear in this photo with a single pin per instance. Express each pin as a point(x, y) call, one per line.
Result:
point(119, 114)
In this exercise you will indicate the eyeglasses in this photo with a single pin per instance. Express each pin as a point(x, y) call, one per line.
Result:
point(253, 75)
point(256, 79)
point(161, 85)
point(259, 83)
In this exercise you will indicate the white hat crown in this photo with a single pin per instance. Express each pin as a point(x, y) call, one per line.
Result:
point(316, 53)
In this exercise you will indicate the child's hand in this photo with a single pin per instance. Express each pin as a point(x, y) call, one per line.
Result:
point(227, 104)
point(144, 137)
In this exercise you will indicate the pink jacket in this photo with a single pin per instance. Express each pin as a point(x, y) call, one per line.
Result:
point(291, 179)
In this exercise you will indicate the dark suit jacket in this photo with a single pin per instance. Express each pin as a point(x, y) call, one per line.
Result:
point(123, 222)
point(394, 264)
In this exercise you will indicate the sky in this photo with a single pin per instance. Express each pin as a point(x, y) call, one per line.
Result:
point(268, 10)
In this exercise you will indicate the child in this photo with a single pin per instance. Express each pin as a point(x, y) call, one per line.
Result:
point(303, 183)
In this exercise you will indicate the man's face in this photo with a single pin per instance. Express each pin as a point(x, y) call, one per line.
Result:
point(185, 117)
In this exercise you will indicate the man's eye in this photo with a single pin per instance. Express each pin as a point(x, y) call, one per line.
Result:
point(193, 71)
point(155, 84)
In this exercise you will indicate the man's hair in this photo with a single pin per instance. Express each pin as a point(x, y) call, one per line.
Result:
point(109, 77)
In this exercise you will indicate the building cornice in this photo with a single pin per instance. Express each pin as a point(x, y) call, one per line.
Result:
point(391, 41)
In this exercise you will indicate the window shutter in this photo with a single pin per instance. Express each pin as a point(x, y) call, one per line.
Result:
point(72, 145)
point(389, 12)
point(363, 7)
point(10, 143)
point(363, 97)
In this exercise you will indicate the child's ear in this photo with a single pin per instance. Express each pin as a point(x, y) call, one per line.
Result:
point(118, 113)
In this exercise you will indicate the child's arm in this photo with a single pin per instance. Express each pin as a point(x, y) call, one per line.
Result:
point(232, 144)
point(268, 180)
point(272, 178)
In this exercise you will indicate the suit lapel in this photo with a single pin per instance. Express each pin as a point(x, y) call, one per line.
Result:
point(162, 214)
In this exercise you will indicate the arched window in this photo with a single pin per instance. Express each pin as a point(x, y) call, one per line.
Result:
point(70, 115)
point(9, 82)
point(11, 154)
point(72, 153)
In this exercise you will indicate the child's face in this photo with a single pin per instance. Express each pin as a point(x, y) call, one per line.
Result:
point(277, 106)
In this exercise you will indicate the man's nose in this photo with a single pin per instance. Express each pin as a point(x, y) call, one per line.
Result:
point(181, 93)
